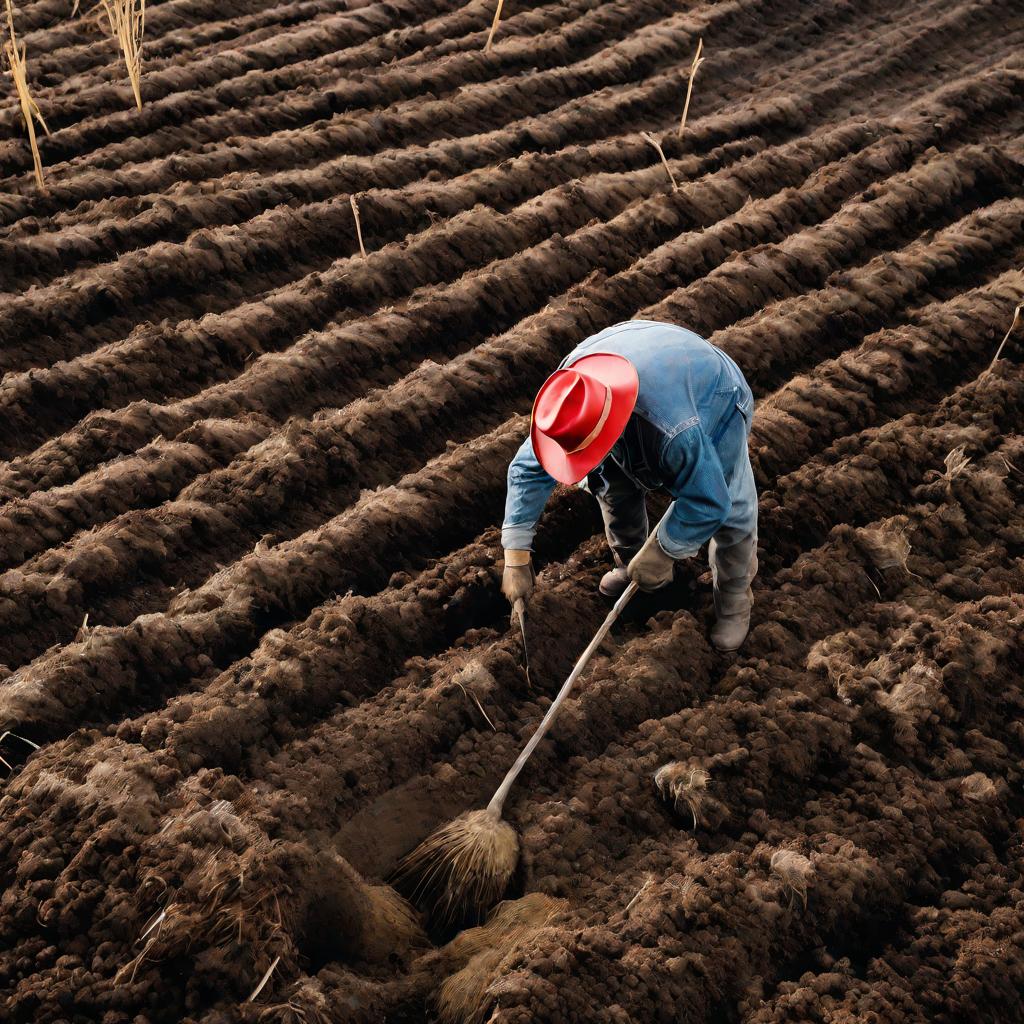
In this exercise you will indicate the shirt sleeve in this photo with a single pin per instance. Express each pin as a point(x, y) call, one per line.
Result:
point(529, 487)
point(697, 483)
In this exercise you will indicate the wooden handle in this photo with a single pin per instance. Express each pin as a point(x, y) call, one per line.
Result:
point(498, 800)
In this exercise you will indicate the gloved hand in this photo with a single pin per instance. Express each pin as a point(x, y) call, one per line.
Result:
point(518, 577)
point(651, 569)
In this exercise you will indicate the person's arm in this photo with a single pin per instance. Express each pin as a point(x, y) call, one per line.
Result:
point(529, 487)
point(697, 483)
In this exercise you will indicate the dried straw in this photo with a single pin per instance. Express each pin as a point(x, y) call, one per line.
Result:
point(694, 68)
point(30, 112)
point(359, 227)
point(657, 145)
point(1006, 337)
point(494, 26)
point(263, 981)
point(127, 23)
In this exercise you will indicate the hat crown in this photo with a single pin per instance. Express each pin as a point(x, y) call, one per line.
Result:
point(570, 407)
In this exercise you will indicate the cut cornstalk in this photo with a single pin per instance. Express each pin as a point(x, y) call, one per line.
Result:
point(694, 67)
point(127, 20)
point(494, 27)
point(657, 145)
point(1006, 337)
point(30, 112)
point(359, 227)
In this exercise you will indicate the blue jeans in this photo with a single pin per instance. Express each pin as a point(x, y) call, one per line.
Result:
point(732, 552)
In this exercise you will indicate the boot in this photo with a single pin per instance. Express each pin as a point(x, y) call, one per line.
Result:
point(614, 582)
point(731, 623)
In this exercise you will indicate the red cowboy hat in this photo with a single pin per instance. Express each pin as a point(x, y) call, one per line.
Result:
point(580, 412)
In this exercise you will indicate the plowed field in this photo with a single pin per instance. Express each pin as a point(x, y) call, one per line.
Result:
point(252, 644)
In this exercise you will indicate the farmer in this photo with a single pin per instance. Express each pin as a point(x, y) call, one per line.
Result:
point(639, 406)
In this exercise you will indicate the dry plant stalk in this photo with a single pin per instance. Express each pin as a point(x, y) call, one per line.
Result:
point(1006, 337)
point(494, 27)
point(30, 112)
point(956, 462)
point(127, 23)
point(359, 227)
point(648, 137)
point(263, 981)
point(694, 68)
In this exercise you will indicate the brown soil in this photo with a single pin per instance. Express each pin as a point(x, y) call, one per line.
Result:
point(252, 645)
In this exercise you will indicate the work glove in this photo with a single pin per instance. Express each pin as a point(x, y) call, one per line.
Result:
point(517, 579)
point(651, 569)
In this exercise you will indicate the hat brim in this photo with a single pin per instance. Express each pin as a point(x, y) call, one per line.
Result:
point(619, 375)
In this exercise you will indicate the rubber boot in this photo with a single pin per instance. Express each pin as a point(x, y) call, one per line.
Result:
point(614, 582)
point(732, 622)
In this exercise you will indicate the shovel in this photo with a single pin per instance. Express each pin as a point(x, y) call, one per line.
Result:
point(467, 864)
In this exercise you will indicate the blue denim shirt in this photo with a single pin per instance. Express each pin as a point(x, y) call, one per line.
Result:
point(688, 435)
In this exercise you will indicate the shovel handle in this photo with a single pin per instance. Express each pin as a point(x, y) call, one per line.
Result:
point(498, 800)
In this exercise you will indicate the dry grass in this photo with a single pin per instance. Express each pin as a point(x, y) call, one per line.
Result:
point(127, 19)
point(466, 865)
point(648, 137)
point(694, 68)
point(494, 27)
point(359, 226)
point(30, 112)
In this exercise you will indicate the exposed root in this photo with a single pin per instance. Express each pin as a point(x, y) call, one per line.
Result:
point(462, 869)
point(683, 785)
point(794, 869)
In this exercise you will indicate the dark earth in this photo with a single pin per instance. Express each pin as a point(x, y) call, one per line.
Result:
point(251, 483)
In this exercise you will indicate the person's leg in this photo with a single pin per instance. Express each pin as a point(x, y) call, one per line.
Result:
point(733, 557)
point(624, 512)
